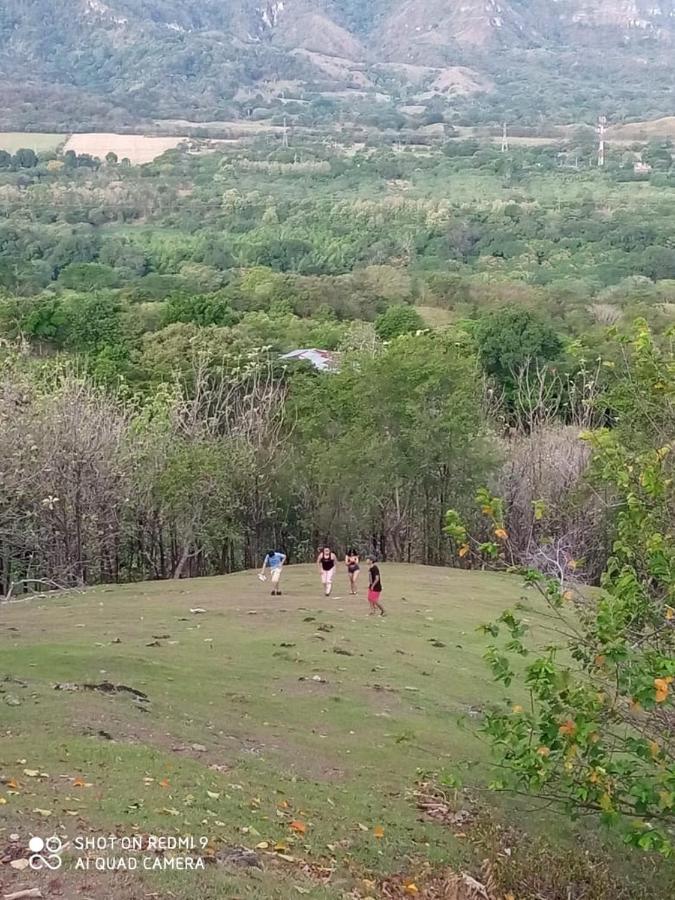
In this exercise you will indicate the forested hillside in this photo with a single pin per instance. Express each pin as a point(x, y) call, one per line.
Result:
point(86, 64)
point(146, 310)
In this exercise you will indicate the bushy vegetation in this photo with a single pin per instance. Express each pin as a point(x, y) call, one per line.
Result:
point(161, 299)
point(477, 314)
point(225, 60)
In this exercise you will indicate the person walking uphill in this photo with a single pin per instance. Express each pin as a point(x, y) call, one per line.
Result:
point(274, 561)
point(353, 568)
point(374, 587)
point(326, 563)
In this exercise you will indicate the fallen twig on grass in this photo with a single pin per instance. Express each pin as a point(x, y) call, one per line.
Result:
point(54, 587)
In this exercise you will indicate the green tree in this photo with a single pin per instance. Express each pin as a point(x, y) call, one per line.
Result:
point(381, 445)
point(398, 320)
point(588, 719)
point(510, 339)
point(88, 277)
point(202, 309)
point(25, 159)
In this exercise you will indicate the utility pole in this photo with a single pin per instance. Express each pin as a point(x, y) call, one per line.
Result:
point(505, 139)
point(602, 122)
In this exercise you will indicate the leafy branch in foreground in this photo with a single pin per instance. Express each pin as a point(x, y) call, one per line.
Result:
point(592, 726)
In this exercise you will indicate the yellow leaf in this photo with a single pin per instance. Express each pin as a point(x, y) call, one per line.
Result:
point(13, 784)
point(280, 847)
point(213, 795)
point(654, 748)
point(43, 812)
point(170, 811)
point(568, 728)
point(463, 551)
point(670, 612)
point(517, 709)
point(31, 773)
point(298, 826)
point(363, 827)
point(3, 801)
point(79, 782)
point(263, 845)
point(378, 832)
point(666, 799)
point(501, 534)
point(568, 595)
point(544, 751)
point(606, 802)
point(662, 686)
point(411, 888)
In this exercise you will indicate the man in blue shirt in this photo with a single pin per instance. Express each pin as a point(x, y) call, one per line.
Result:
point(274, 561)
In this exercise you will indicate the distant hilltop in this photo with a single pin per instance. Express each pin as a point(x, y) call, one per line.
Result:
point(120, 62)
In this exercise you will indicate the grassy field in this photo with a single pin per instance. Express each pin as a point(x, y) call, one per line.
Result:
point(295, 727)
point(11, 141)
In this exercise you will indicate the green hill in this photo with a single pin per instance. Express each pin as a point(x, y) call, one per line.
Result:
point(295, 727)
point(83, 64)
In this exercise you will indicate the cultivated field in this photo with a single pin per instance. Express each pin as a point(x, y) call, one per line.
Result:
point(295, 734)
point(11, 141)
point(137, 148)
point(644, 131)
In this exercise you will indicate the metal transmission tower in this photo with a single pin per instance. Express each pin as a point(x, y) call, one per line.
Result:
point(602, 127)
point(505, 139)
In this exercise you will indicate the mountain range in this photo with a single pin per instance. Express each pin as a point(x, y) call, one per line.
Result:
point(125, 61)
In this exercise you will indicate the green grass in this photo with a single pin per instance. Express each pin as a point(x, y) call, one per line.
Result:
point(340, 755)
point(11, 141)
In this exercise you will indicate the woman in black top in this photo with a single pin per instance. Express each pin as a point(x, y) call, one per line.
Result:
point(374, 587)
point(353, 569)
point(326, 563)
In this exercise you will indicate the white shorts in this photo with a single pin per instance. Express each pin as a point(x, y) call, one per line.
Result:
point(276, 575)
point(327, 576)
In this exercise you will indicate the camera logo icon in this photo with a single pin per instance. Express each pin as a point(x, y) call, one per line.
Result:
point(45, 854)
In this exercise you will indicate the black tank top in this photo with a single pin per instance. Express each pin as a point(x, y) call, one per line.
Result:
point(327, 562)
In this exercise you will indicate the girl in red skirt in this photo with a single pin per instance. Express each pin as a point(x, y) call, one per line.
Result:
point(374, 587)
